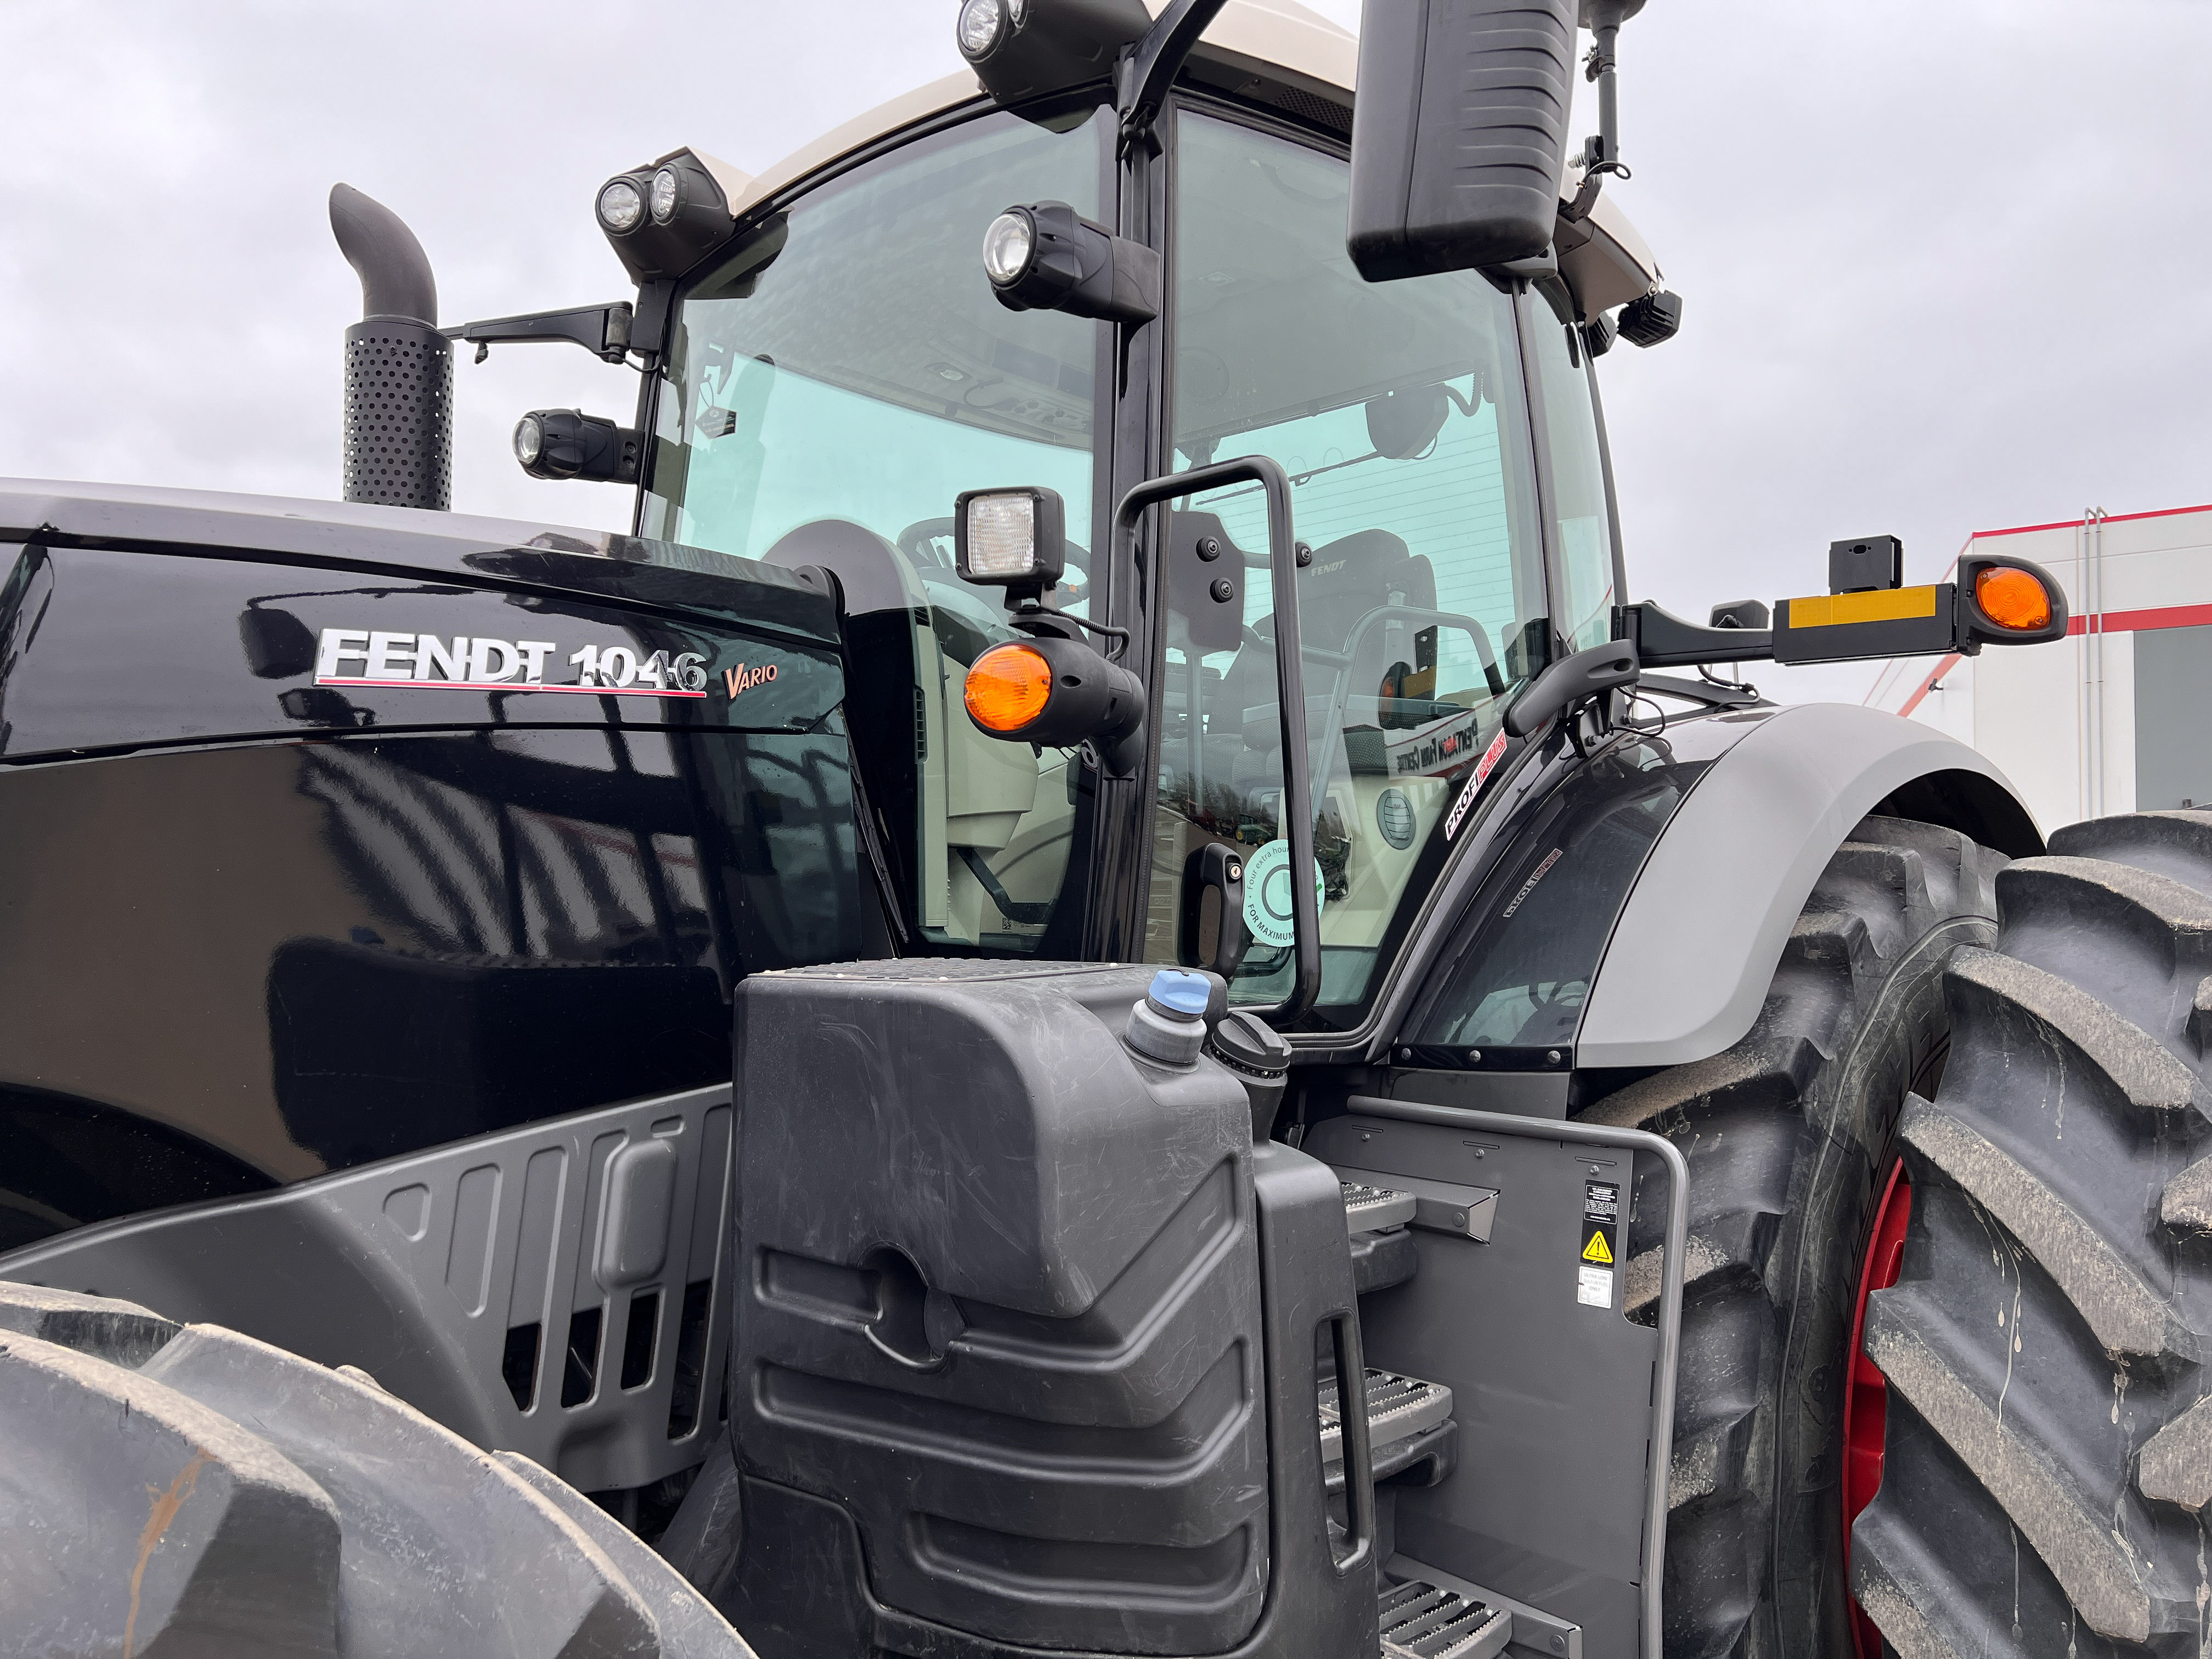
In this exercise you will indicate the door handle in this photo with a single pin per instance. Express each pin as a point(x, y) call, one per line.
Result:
point(1216, 867)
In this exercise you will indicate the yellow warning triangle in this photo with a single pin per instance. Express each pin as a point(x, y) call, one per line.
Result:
point(1596, 1251)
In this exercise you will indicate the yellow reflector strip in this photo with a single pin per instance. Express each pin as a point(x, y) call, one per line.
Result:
point(1883, 604)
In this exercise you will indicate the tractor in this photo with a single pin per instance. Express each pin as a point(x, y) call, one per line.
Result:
point(1100, 994)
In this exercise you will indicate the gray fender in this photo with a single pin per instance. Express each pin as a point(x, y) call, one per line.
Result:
point(1698, 943)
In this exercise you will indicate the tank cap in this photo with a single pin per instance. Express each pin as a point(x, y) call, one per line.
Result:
point(1249, 1044)
point(1179, 994)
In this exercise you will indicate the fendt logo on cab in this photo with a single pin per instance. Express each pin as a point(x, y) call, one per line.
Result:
point(476, 663)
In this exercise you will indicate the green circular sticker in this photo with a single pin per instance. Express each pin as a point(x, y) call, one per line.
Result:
point(1268, 895)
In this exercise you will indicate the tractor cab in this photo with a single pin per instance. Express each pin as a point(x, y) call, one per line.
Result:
point(842, 369)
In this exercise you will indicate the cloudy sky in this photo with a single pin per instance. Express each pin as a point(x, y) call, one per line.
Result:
point(1945, 262)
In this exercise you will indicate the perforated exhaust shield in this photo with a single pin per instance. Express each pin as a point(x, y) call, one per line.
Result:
point(398, 415)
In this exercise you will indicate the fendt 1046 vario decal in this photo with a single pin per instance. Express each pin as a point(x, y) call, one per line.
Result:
point(476, 663)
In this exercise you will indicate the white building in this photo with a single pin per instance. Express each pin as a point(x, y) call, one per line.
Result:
point(2118, 716)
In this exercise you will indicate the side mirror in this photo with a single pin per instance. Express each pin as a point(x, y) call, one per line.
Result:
point(1459, 138)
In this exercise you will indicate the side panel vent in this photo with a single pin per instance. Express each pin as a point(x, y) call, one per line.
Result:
point(471, 1281)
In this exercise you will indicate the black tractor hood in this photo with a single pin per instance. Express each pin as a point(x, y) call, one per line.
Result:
point(596, 564)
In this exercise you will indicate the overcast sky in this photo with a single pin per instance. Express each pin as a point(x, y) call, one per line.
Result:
point(1944, 262)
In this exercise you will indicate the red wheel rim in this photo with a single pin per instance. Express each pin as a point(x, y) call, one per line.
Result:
point(1866, 1396)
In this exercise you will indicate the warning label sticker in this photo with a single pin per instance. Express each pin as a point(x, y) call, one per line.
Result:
point(1599, 1240)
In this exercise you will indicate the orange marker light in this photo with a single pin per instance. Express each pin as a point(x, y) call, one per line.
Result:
point(1008, 687)
point(2012, 599)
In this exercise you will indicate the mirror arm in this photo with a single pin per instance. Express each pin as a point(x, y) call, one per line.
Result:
point(1665, 640)
point(603, 331)
point(1151, 65)
point(1296, 814)
point(1571, 680)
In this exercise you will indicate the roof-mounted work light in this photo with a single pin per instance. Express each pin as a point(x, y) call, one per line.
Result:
point(1025, 48)
point(1652, 318)
point(987, 24)
point(665, 218)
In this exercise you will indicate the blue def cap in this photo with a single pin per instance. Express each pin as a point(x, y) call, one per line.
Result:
point(1180, 992)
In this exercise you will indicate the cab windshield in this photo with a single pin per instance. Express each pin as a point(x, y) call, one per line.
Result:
point(829, 388)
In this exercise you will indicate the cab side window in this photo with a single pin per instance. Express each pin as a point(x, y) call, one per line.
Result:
point(1581, 521)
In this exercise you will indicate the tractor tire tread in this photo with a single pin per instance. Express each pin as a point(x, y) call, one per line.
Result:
point(2049, 1443)
point(189, 1489)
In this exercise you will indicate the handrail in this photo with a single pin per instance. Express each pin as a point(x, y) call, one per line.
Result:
point(1297, 781)
point(1665, 1377)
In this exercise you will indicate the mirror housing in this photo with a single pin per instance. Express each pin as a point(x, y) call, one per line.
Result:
point(1460, 143)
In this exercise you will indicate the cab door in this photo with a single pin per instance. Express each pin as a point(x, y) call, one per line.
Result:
point(1426, 531)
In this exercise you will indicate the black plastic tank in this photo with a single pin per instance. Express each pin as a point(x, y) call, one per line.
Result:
point(1023, 1357)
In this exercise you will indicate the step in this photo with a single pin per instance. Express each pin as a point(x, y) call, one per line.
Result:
point(1380, 1260)
point(1396, 1407)
point(1371, 1209)
point(1420, 1621)
point(1426, 1459)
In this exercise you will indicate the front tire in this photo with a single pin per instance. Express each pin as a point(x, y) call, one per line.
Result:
point(187, 1490)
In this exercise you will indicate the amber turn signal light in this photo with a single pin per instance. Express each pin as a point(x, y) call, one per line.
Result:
point(1008, 687)
point(2013, 598)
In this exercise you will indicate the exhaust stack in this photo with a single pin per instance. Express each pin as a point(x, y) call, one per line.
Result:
point(399, 368)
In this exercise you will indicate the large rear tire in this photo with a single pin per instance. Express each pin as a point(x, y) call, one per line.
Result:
point(1785, 1135)
point(187, 1493)
point(2049, 1448)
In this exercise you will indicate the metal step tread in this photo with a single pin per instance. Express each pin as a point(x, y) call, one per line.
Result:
point(1420, 1621)
point(1396, 1407)
point(1371, 1209)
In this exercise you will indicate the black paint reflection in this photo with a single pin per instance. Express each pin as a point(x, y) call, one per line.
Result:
point(289, 957)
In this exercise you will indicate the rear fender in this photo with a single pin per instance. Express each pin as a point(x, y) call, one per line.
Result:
point(1698, 942)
